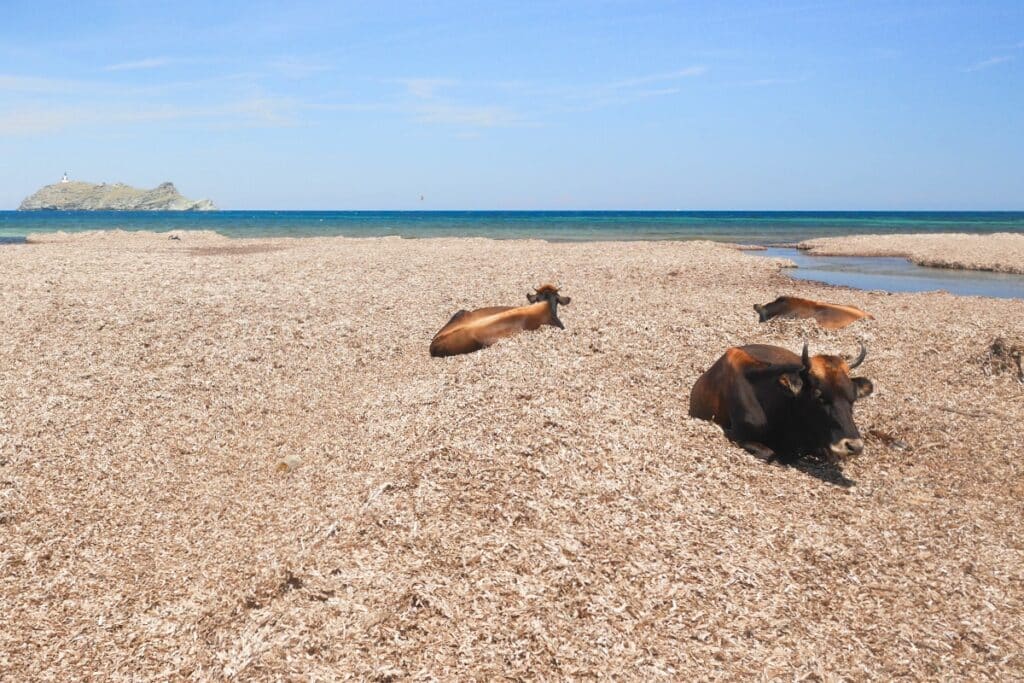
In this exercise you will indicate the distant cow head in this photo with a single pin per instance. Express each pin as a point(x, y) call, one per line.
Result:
point(773, 308)
point(765, 312)
point(549, 293)
point(827, 395)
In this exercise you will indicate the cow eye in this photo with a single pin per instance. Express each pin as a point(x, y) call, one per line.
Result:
point(818, 395)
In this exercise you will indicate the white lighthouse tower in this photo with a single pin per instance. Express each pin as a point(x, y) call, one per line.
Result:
point(64, 179)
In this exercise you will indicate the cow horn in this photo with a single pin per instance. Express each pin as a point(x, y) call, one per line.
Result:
point(860, 358)
point(805, 357)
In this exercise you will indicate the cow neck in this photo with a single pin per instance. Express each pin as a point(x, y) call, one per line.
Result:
point(553, 305)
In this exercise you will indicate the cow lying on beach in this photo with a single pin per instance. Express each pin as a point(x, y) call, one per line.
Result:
point(471, 331)
point(829, 316)
point(776, 404)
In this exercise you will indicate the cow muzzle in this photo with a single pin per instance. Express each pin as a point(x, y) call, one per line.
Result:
point(844, 448)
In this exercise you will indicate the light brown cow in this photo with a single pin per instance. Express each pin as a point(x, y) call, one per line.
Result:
point(829, 316)
point(470, 331)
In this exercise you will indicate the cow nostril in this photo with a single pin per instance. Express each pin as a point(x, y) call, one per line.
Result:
point(854, 446)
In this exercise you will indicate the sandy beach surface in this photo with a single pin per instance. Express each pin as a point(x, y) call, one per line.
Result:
point(1000, 252)
point(235, 458)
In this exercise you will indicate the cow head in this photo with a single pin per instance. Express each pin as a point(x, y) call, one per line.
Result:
point(771, 309)
point(763, 312)
point(549, 293)
point(828, 395)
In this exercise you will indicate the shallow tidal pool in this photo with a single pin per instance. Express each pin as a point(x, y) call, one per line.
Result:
point(896, 274)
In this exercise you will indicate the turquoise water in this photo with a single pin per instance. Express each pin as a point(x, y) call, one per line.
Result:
point(748, 227)
point(895, 274)
point(753, 227)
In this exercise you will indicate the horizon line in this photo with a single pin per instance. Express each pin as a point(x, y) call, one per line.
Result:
point(564, 210)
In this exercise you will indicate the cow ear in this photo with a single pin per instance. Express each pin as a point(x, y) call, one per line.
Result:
point(791, 382)
point(532, 298)
point(864, 386)
point(564, 300)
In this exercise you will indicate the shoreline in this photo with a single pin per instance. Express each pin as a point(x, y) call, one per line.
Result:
point(992, 253)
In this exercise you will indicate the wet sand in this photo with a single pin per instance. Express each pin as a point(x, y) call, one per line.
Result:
point(1000, 252)
point(541, 509)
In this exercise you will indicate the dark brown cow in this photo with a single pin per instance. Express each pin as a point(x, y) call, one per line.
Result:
point(471, 331)
point(775, 403)
point(829, 316)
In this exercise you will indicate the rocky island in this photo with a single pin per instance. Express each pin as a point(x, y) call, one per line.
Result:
point(80, 196)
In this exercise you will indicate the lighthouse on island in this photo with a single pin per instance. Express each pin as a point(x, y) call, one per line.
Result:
point(64, 179)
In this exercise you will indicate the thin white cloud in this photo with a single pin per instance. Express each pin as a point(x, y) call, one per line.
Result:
point(619, 93)
point(41, 85)
point(429, 88)
point(254, 112)
point(688, 72)
point(148, 63)
point(988, 63)
point(355, 107)
point(261, 111)
point(762, 82)
point(218, 83)
point(429, 105)
point(296, 68)
point(658, 92)
point(433, 102)
point(467, 115)
point(885, 52)
point(32, 121)
point(425, 88)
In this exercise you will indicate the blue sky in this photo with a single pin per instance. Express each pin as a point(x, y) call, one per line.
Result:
point(598, 104)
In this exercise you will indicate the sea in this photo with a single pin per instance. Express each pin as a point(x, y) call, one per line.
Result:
point(776, 229)
point(749, 227)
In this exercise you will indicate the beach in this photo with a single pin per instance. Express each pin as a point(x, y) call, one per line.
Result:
point(228, 457)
